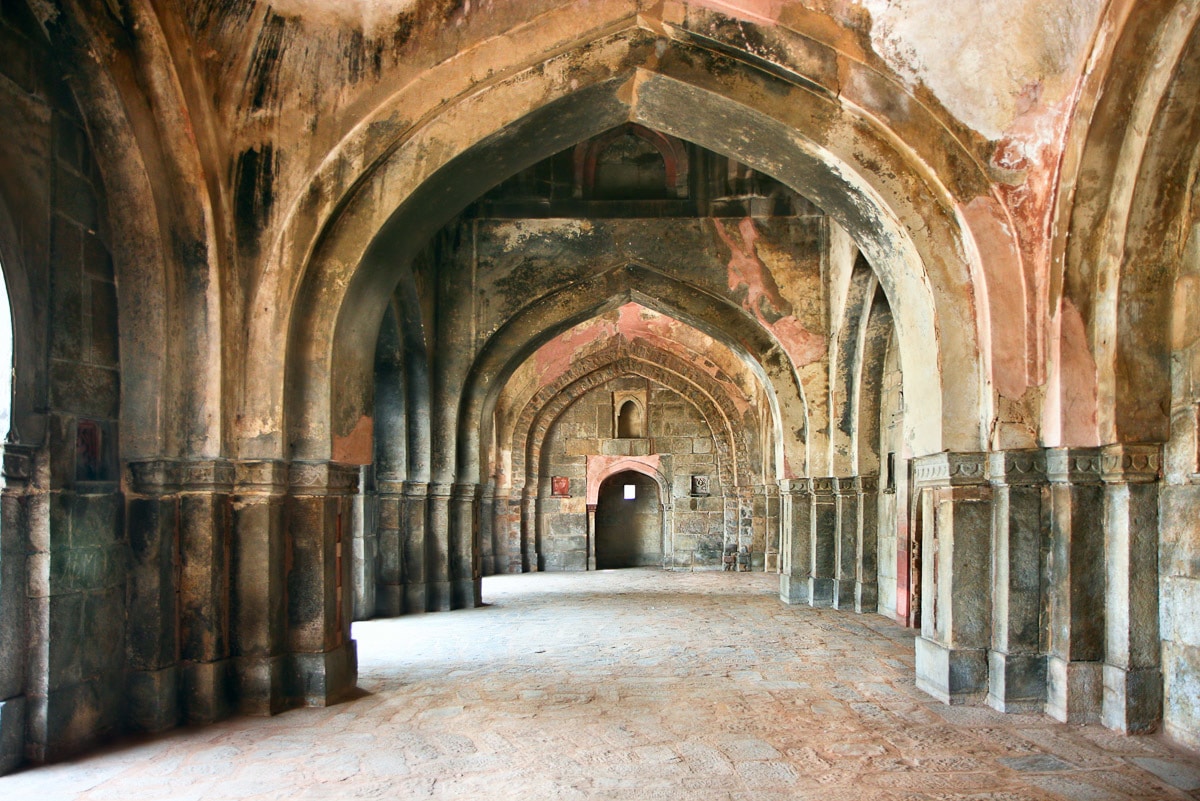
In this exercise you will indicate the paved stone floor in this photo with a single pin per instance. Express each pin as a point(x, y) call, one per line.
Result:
point(632, 684)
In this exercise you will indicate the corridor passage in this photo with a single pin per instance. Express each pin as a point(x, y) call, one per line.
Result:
point(630, 684)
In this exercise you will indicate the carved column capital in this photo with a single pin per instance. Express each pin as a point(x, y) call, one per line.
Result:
point(1024, 467)
point(1131, 464)
point(1073, 465)
point(950, 469)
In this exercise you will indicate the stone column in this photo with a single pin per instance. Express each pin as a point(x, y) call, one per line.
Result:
point(22, 505)
point(866, 587)
point(795, 523)
point(152, 635)
point(956, 608)
point(591, 537)
point(507, 528)
point(845, 574)
point(364, 527)
point(258, 612)
point(530, 559)
point(204, 589)
point(1133, 685)
point(1075, 586)
point(823, 560)
point(770, 496)
point(323, 657)
point(488, 549)
point(1020, 508)
point(437, 548)
point(413, 560)
point(390, 565)
point(466, 580)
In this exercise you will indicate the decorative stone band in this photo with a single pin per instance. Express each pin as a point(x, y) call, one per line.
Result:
point(168, 476)
point(440, 490)
point(1131, 464)
point(416, 489)
point(389, 486)
point(1023, 467)
point(1073, 465)
point(794, 486)
point(866, 484)
point(824, 486)
point(768, 490)
point(20, 465)
point(949, 469)
point(322, 478)
point(260, 477)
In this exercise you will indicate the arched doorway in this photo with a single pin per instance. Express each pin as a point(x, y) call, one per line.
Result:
point(628, 522)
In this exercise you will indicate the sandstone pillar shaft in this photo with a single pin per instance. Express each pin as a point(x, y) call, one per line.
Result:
point(530, 559)
point(488, 545)
point(21, 502)
point(591, 537)
point(1075, 585)
point(795, 523)
point(956, 608)
point(465, 576)
point(825, 531)
point(846, 554)
point(1133, 686)
point(866, 586)
point(437, 548)
point(1020, 497)
point(413, 537)
point(390, 562)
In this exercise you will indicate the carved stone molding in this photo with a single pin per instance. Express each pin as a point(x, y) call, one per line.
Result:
point(794, 486)
point(152, 476)
point(416, 489)
point(322, 478)
point(1023, 467)
point(825, 486)
point(866, 484)
point(440, 490)
point(389, 486)
point(1073, 465)
point(950, 469)
point(1131, 464)
point(206, 475)
point(260, 477)
point(464, 492)
point(20, 464)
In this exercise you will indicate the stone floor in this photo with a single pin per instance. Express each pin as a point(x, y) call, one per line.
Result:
point(633, 684)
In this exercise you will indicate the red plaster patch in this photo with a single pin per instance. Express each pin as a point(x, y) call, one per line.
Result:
point(356, 447)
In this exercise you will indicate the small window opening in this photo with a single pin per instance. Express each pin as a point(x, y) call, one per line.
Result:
point(890, 483)
point(631, 423)
point(630, 492)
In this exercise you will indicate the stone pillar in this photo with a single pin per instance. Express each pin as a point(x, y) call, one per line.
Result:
point(207, 675)
point(389, 565)
point(770, 496)
point(152, 636)
point(22, 505)
point(951, 653)
point(845, 573)
point(591, 537)
point(1020, 506)
point(488, 549)
point(530, 559)
point(1075, 586)
point(795, 523)
point(1133, 685)
point(437, 548)
point(413, 560)
point(866, 586)
point(364, 526)
point(323, 657)
point(823, 560)
point(466, 579)
point(258, 612)
point(507, 528)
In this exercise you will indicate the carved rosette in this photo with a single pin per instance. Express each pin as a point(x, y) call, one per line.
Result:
point(1073, 465)
point(1131, 464)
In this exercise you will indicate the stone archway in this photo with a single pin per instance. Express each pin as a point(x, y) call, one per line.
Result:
point(629, 530)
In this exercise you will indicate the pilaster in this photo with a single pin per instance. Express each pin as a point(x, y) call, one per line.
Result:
point(866, 586)
point(22, 498)
point(846, 544)
point(795, 523)
point(389, 576)
point(437, 549)
point(466, 576)
point(1075, 585)
point(413, 536)
point(1132, 675)
point(951, 653)
point(1020, 510)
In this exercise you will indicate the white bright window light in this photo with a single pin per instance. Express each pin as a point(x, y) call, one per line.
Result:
point(630, 492)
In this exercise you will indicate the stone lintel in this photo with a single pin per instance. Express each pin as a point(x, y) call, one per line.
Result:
point(1131, 464)
point(1073, 465)
point(1018, 467)
point(950, 469)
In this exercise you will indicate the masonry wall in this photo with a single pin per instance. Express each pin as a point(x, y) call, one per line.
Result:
point(683, 442)
point(63, 508)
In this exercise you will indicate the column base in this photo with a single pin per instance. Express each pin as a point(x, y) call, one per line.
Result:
point(326, 678)
point(439, 596)
point(792, 590)
point(12, 733)
point(466, 593)
point(416, 599)
point(1016, 682)
point(261, 684)
point(820, 591)
point(866, 597)
point(1073, 690)
point(207, 691)
point(1133, 699)
point(951, 675)
point(389, 600)
point(843, 593)
point(152, 699)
